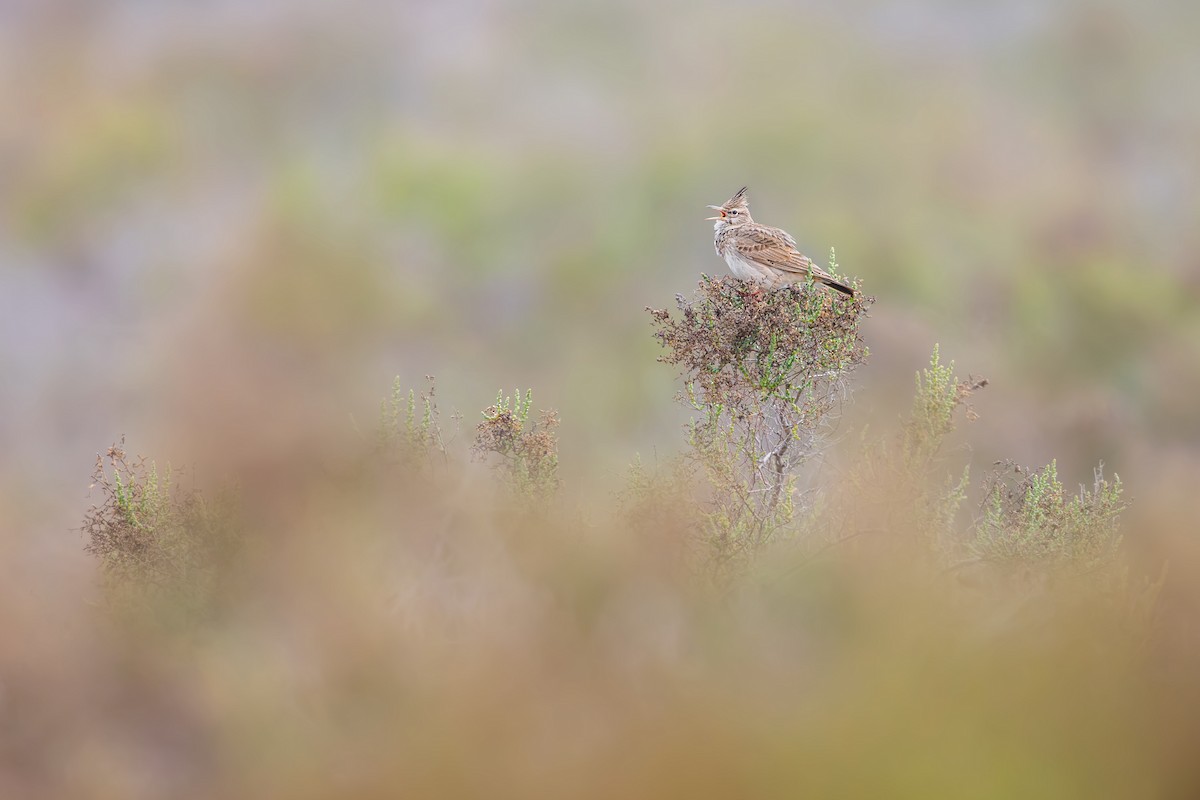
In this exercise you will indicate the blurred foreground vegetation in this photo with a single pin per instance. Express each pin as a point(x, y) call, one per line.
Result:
point(431, 619)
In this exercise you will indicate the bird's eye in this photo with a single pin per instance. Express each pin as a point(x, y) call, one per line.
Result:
point(733, 212)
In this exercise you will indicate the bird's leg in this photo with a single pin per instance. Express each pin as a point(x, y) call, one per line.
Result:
point(751, 290)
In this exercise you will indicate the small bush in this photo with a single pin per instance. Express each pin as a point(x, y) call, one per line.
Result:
point(1028, 520)
point(527, 451)
point(939, 394)
point(410, 426)
point(163, 549)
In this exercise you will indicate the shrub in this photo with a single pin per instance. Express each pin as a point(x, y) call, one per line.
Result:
point(763, 370)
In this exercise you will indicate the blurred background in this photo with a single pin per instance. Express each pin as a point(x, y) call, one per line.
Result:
point(225, 227)
point(197, 204)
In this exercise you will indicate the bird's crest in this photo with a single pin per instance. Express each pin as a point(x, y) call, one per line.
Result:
point(739, 200)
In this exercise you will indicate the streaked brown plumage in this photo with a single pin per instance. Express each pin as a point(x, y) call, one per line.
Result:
point(760, 253)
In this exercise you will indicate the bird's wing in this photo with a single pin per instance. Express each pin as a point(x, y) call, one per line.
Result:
point(774, 248)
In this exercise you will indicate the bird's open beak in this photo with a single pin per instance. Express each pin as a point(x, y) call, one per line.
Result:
point(718, 209)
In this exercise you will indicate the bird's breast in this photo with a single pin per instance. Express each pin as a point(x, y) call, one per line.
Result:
point(741, 268)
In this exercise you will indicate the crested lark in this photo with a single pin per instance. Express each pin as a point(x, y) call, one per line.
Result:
point(765, 255)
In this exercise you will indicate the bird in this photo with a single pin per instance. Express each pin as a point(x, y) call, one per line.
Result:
point(762, 254)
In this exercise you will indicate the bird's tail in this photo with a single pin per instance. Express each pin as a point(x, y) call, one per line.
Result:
point(835, 284)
